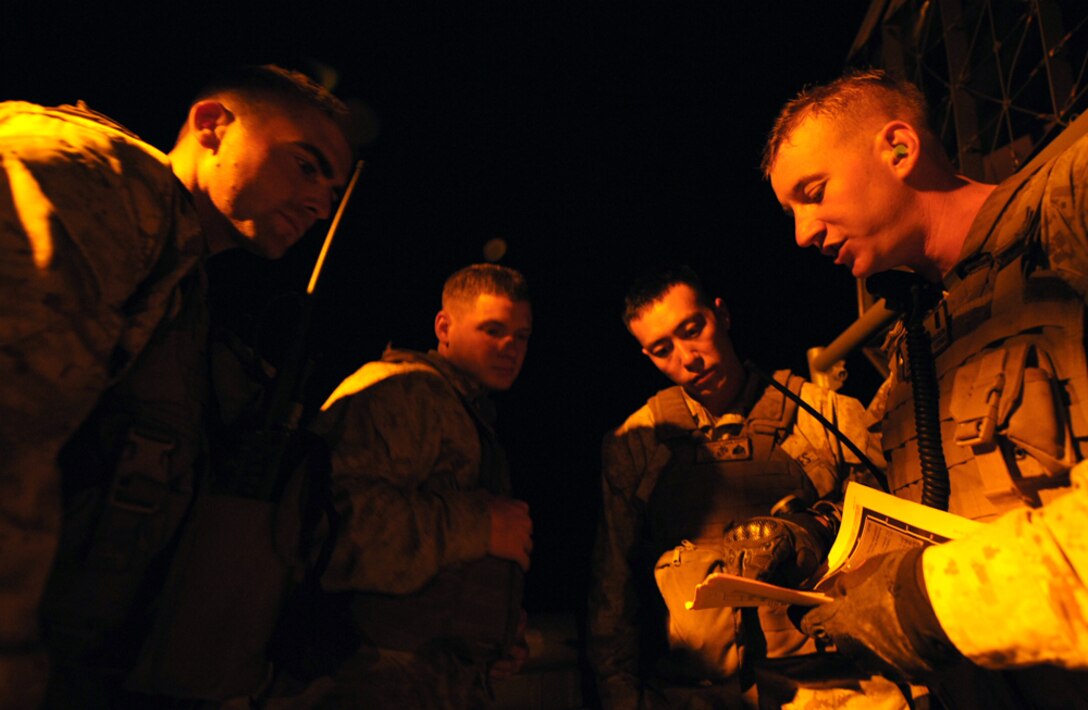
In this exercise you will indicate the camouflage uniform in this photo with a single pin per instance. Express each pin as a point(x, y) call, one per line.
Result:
point(627, 618)
point(413, 456)
point(96, 235)
point(1008, 342)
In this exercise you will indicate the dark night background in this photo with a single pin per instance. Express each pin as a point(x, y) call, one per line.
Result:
point(599, 140)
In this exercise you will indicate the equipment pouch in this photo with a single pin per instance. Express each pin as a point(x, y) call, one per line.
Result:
point(1039, 429)
point(1008, 410)
point(708, 636)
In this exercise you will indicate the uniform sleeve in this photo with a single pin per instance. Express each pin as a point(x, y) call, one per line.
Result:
point(1014, 593)
point(825, 459)
point(78, 233)
point(613, 607)
point(401, 517)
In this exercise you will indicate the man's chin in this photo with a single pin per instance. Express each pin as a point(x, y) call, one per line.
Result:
point(500, 382)
point(266, 247)
point(499, 385)
point(860, 269)
point(700, 393)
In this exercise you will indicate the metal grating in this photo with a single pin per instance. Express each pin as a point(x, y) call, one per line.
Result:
point(1003, 77)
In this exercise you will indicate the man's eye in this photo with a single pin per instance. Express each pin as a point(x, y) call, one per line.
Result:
point(815, 193)
point(493, 332)
point(308, 169)
point(693, 327)
point(661, 352)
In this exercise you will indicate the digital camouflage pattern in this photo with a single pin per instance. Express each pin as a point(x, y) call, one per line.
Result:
point(408, 485)
point(95, 235)
point(1013, 594)
point(406, 463)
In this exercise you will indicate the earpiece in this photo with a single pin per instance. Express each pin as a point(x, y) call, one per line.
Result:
point(900, 150)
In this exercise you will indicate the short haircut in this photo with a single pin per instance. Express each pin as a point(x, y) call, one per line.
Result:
point(270, 84)
point(649, 289)
point(468, 283)
point(853, 99)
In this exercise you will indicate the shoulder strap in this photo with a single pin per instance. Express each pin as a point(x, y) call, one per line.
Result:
point(774, 412)
point(994, 208)
point(673, 424)
point(672, 418)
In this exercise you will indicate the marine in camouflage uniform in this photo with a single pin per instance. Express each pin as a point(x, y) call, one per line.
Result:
point(1008, 347)
point(98, 238)
point(677, 476)
point(1041, 555)
point(1014, 594)
point(103, 321)
point(416, 472)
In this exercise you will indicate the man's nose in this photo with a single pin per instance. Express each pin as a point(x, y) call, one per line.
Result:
point(689, 357)
point(809, 231)
point(319, 201)
point(508, 345)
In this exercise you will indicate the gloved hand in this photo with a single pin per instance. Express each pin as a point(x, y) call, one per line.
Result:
point(783, 550)
point(882, 618)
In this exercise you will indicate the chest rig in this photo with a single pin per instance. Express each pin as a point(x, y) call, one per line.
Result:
point(129, 475)
point(711, 484)
point(1008, 343)
point(708, 486)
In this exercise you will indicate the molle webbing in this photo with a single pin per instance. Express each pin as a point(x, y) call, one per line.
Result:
point(708, 485)
point(1013, 379)
point(769, 419)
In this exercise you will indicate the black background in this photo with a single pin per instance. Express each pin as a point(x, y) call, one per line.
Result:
point(599, 140)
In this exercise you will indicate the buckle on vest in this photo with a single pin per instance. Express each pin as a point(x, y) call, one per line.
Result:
point(939, 322)
point(980, 431)
point(980, 385)
point(140, 483)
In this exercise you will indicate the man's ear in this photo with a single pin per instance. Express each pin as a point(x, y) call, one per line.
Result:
point(442, 327)
point(722, 313)
point(208, 119)
point(899, 147)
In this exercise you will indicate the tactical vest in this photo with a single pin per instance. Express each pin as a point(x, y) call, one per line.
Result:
point(129, 475)
point(475, 605)
point(706, 488)
point(1008, 342)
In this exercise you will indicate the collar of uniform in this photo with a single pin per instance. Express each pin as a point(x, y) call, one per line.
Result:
point(470, 391)
point(468, 387)
point(730, 422)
